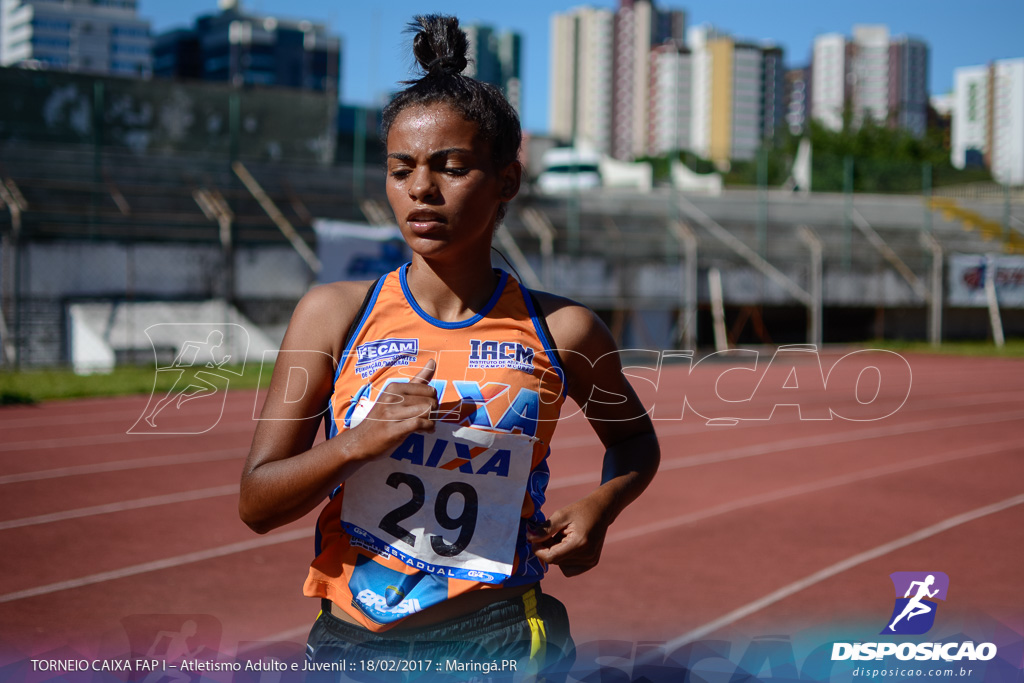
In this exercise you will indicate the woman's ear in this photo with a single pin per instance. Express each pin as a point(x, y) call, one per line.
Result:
point(511, 177)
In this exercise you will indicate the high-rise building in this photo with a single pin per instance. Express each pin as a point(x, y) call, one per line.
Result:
point(698, 39)
point(737, 101)
point(671, 87)
point(510, 54)
point(495, 58)
point(988, 119)
point(971, 142)
point(908, 85)
point(830, 79)
point(90, 36)
point(798, 99)
point(872, 76)
point(248, 49)
point(601, 74)
point(633, 34)
point(870, 73)
point(639, 28)
point(580, 97)
point(638, 82)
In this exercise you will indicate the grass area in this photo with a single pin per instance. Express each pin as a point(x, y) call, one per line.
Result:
point(1014, 348)
point(31, 386)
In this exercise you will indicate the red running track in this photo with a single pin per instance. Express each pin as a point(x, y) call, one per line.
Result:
point(766, 525)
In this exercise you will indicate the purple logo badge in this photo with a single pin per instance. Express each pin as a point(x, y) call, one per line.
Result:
point(916, 594)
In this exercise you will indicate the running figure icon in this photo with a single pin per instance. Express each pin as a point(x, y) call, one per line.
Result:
point(915, 606)
point(195, 385)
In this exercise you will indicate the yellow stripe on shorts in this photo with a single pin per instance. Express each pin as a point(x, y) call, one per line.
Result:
point(538, 630)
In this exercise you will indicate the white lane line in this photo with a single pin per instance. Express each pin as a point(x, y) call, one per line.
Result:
point(815, 441)
point(121, 465)
point(113, 415)
point(302, 631)
point(121, 506)
point(810, 487)
point(120, 438)
point(693, 425)
point(838, 568)
point(158, 565)
point(582, 441)
point(560, 482)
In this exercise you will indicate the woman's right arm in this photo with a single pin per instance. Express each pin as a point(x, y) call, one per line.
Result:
point(285, 476)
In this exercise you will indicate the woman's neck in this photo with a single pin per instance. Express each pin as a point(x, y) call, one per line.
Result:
point(451, 292)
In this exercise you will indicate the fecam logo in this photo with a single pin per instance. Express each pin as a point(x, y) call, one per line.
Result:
point(916, 592)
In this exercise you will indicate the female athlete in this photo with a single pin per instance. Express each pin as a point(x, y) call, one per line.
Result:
point(441, 384)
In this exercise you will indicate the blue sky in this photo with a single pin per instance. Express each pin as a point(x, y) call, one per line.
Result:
point(376, 54)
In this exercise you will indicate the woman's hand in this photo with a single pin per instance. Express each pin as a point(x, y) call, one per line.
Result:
point(572, 537)
point(400, 410)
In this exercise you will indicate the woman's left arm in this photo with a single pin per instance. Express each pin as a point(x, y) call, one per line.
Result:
point(573, 536)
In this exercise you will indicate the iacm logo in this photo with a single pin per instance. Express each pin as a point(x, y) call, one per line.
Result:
point(487, 353)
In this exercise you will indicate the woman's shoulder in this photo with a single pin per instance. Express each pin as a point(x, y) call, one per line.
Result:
point(573, 326)
point(334, 300)
point(324, 314)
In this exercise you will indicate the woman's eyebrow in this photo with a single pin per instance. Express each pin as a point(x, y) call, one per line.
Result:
point(439, 154)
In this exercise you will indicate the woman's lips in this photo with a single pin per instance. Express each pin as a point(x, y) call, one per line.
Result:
point(425, 223)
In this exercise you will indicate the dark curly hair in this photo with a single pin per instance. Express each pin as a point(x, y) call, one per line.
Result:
point(440, 46)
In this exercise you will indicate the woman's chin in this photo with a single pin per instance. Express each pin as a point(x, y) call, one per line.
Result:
point(429, 247)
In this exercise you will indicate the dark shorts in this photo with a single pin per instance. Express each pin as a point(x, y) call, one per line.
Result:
point(509, 640)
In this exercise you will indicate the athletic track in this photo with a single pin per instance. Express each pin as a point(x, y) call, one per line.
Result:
point(760, 527)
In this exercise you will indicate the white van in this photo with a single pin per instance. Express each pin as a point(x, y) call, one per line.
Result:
point(567, 169)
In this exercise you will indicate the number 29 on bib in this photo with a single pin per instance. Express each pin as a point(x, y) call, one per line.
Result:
point(447, 503)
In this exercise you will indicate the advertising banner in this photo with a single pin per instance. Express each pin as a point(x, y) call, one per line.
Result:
point(967, 273)
point(357, 251)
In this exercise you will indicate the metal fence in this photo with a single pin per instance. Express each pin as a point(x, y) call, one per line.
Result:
point(118, 195)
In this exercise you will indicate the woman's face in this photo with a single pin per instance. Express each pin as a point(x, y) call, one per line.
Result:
point(442, 184)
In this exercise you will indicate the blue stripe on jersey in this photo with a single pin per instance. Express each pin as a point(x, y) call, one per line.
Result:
point(317, 539)
point(548, 346)
point(458, 324)
point(348, 349)
point(528, 567)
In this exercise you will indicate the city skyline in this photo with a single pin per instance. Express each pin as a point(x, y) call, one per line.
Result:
point(377, 56)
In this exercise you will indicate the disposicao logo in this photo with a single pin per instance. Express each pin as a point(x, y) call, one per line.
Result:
point(916, 594)
point(914, 614)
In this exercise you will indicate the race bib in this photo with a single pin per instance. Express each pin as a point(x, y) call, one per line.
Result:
point(447, 503)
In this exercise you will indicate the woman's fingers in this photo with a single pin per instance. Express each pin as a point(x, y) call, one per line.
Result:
point(425, 374)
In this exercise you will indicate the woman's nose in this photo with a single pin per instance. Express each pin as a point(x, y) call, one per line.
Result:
point(422, 186)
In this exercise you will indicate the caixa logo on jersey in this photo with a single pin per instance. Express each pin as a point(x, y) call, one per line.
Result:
point(488, 353)
point(382, 353)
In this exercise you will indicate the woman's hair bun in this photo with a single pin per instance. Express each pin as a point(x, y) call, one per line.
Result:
point(439, 45)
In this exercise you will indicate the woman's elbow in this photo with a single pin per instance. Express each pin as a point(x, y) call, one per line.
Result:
point(249, 511)
point(251, 520)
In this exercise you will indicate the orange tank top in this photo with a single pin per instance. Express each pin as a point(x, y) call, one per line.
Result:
point(443, 513)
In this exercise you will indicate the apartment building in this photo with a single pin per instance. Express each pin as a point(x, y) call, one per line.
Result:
point(871, 76)
point(242, 48)
point(601, 73)
point(89, 36)
point(495, 58)
point(581, 80)
point(988, 119)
